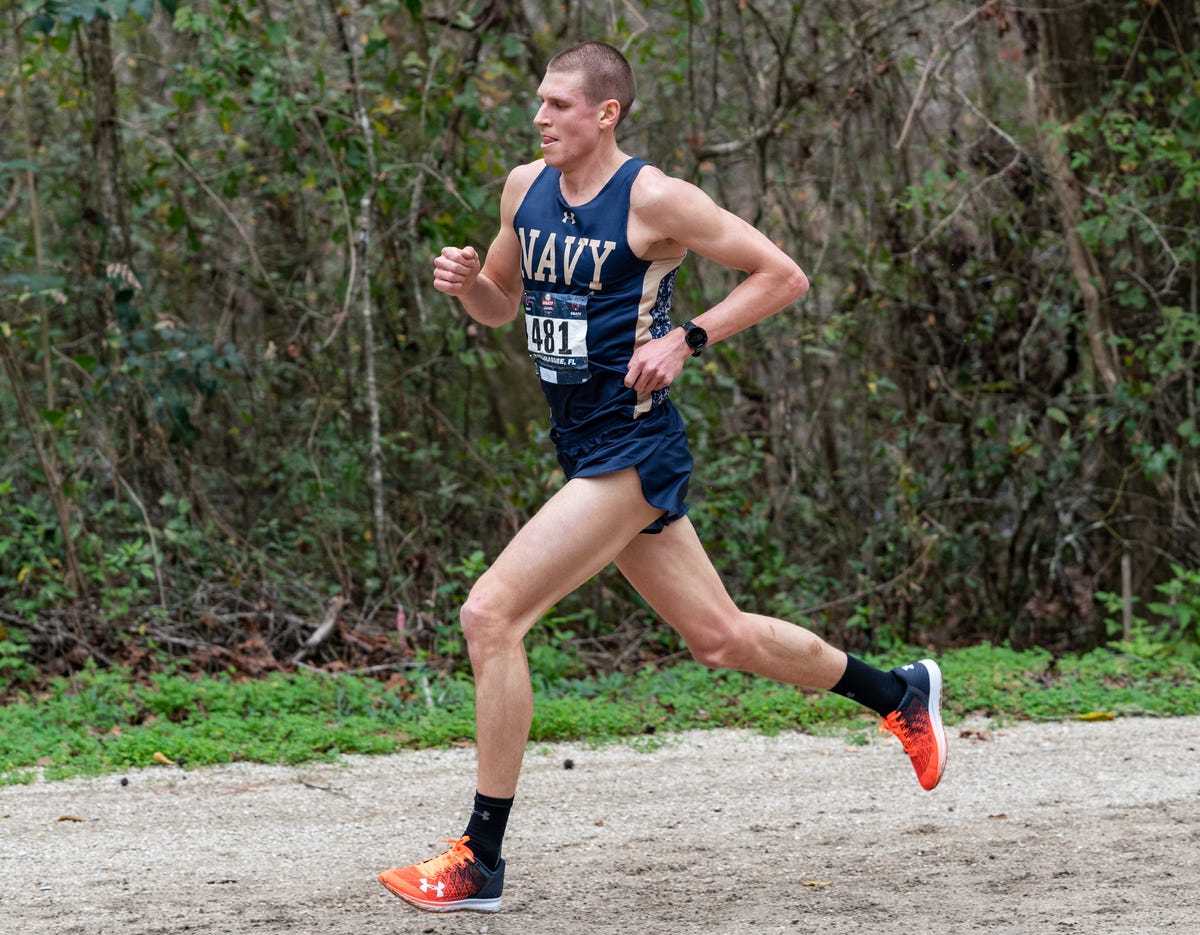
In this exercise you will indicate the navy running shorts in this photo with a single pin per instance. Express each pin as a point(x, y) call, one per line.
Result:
point(656, 444)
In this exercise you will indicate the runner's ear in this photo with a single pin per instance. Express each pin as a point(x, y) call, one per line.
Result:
point(610, 113)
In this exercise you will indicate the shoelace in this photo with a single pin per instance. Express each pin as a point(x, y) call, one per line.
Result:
point(458, 855)
point(896, 724)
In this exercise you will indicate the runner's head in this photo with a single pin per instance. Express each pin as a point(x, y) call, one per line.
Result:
point(605, 72)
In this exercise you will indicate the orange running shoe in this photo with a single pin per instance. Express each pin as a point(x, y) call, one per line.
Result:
point(451, 881)
point(918, 721)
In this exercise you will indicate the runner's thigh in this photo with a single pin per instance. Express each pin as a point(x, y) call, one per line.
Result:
point(675, 576)
point(578, 532)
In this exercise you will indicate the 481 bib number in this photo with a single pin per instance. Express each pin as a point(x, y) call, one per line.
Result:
point(547, 336)
point(556, 335)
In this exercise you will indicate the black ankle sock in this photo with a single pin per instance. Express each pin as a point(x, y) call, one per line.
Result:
point(486, 827)
point(879, 690)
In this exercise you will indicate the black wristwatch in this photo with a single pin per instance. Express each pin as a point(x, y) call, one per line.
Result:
point(696, 338)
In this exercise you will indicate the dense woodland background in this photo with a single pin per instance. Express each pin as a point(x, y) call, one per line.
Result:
point(241, 429)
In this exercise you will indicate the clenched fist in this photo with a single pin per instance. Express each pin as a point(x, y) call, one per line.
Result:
point(455, 270)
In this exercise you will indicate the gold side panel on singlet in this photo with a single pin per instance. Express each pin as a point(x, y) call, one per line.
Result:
point(658, 271)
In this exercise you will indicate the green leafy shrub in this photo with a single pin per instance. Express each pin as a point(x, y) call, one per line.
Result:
point(1175, 628)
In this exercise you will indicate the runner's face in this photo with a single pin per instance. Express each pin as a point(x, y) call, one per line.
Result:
point(569, 125)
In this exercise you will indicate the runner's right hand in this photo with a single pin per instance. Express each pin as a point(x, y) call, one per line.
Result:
point(455, 270)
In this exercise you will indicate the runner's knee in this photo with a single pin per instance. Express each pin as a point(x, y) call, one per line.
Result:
point(485, 624)
point(475, 617)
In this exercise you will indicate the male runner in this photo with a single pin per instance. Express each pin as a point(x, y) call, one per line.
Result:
point(589, 243)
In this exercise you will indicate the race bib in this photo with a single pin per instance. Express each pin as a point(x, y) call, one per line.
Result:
point(556, 334)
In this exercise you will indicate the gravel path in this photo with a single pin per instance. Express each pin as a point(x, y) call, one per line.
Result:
point(1057, 827)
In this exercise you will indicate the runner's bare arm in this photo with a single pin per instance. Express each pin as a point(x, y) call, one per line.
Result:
point(668, 216)
point(491, 292)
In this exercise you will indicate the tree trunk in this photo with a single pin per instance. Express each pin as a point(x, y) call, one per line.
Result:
point(1073, 79)
point(106, 143)
point(363, 253)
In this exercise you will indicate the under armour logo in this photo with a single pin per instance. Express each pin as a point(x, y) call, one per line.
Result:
point(568, 217)
point(437, 890)
point(484, 815)
point(909, 666)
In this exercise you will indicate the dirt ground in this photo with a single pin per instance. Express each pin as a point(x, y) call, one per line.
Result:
point(1058, 827)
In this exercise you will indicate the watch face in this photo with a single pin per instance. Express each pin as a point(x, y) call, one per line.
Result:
point(696, 336)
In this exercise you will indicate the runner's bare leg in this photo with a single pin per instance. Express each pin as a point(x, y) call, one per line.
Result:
point(578, 532)
point(676, 577)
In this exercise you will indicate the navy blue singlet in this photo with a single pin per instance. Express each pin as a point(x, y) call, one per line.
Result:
point(589, 302)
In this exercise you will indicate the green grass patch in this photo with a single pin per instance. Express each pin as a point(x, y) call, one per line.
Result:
point(100, 721)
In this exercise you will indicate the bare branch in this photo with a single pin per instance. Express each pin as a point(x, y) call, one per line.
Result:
point(935, 59)
point(756, 134)
point(322, 633)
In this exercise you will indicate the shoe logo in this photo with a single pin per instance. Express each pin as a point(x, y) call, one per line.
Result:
point(568, 217)
point(911, 665)
point(438, 890)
